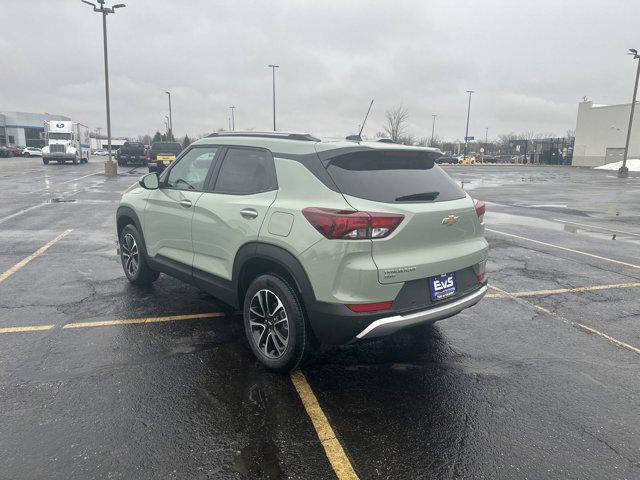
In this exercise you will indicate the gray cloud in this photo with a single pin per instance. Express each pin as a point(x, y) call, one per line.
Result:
point(530, 62)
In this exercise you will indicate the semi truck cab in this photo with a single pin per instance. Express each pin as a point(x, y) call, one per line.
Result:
point(65, 141)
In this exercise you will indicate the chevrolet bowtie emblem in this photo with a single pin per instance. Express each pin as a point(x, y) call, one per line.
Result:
point(450, 220)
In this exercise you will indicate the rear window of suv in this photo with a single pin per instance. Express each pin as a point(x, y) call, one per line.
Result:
point(173, 147)
point(389, 176)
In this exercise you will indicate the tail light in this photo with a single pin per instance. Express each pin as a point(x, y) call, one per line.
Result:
point(480, 209)
point(481, 277)
point(350, 224)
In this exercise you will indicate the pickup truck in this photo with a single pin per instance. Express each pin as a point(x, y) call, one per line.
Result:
point(162, 154)
point(131, 153)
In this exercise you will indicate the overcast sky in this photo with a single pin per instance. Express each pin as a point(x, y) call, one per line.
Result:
point(530, 62)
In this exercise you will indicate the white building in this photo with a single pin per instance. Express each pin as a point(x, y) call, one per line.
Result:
point(21, 129)
point(601, 132)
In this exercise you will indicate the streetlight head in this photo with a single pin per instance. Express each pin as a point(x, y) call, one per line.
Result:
point(168, 93)
point(633, 51)
point(119, 5)
point(89, 3)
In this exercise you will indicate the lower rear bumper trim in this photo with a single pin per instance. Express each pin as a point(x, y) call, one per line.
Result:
point(389, 325)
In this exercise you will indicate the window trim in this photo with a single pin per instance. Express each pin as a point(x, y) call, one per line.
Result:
point(214, 163)
point(271, 165)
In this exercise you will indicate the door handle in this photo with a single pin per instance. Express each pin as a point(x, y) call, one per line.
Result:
point(185, 203)
point(249, 213)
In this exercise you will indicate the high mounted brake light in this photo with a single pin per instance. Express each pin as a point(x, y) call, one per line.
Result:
point(351, 224)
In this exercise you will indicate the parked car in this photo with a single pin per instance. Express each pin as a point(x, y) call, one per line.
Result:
point(447, 159)
point(15, 151)
point(131, 153)
point(330, 242)
point(162, 154)
point(101, 152)
point(5, 152)
point(32, 152)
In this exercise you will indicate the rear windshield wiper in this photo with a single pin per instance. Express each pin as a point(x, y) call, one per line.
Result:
point(416, 197)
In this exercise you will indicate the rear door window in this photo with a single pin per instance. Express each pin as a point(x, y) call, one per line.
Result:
point(245, 171)
point(400, 176)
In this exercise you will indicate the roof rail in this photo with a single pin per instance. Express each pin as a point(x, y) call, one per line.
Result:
point(306, 137)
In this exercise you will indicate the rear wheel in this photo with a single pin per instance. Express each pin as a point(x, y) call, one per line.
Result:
point(45, 161)
point(275, 324)
point(26, 154)
point(134, 259)
point(75, 160)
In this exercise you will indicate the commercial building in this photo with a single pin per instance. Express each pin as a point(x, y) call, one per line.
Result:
point(601, 132)
point(21, 129)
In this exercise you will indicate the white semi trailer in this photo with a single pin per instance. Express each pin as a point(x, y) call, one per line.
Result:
point(65, 141)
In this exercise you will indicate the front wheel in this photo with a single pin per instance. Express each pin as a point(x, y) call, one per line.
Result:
point(26, 154)
point(134, 258)
point(275, 323)
point(45, 161)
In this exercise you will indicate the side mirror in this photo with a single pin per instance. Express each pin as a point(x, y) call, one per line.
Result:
point(149, 181)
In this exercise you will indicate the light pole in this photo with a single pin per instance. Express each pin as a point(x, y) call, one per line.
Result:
point(110, 167)
point(466, 135)
point(486, 137)
point(623, 171)
point(273, 83)
point(167, 124)
point(433, 129)
point(233, 118)
point(170, 117)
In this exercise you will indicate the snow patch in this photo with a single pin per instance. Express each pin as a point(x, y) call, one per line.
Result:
point(633, 164)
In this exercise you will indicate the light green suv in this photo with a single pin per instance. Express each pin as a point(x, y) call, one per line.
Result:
point(316, 242)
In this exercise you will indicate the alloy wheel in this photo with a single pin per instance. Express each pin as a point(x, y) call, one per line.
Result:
point(130, 255)
point(269, 324)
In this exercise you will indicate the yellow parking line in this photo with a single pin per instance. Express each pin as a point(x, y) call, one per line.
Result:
point(335, 453)
point(35, 254)
point(619, 262)
point(557, 291)
point(172, 318)
point(106, 323)
point(582, 326)
point(33, 328)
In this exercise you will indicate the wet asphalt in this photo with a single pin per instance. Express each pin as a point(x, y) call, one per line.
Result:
point(503, 390)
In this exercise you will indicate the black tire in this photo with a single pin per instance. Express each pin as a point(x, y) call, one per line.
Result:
point(45, 161)
point(75, 161)
point(26, 154)
point(298, 344)
point(142, 274)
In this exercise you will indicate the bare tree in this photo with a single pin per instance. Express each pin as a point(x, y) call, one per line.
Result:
point(434, 141)
point(396, 123)
point(570, 134)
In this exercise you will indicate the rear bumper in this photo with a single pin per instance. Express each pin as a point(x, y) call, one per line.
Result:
point(388, 325)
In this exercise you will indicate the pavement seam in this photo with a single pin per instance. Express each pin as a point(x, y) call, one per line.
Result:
point(332, 447)
point(568, 321)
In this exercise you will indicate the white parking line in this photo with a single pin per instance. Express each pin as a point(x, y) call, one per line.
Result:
point(13, 215)
point(80, 178)
point(612, 260)
point(597, 228)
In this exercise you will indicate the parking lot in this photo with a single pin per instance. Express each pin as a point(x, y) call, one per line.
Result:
point(101, 379)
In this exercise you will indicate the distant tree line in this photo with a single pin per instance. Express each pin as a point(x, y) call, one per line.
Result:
point(396, 128)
